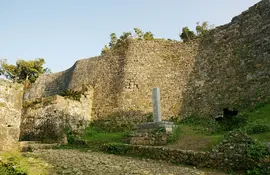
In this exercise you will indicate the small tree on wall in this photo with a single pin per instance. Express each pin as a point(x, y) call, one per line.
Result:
point(115, 42)
point(139, 33)
point(23, 71)
point(201, 30)
point(187, 34)
point(148, 36)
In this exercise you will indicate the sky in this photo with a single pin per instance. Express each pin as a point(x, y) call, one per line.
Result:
point(63, 31)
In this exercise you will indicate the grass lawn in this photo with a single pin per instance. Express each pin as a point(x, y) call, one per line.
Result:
point(24, 164)
point(195, 135)
point(199, 134)
point(191, 138)
point(96, 137)
point(260, 116)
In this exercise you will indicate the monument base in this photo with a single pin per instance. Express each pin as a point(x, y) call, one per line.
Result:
point(168, 126)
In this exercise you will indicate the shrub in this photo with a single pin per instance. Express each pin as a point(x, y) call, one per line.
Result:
point(105, 50)
point(71, 94)
point(187, 34)
point(234, 122)
point(257, 126)
point(242, 152)
point(175, 135)
point(203, 29)
point(202, 124)
point(139, 33)
point(148, 36)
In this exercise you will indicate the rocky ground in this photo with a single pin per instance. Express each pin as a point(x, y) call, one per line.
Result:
point(74, 162)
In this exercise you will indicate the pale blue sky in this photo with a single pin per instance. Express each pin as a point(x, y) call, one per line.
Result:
point(63, 31)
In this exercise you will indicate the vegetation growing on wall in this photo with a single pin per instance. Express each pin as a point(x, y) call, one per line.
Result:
point(73, 94)
point(42, 101)
point(116, 42)
point(201, 30)
point(23, 71)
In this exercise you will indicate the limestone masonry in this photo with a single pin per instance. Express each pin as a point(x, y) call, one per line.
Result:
point(226, 69)
point(10, 114)
point(49, 119)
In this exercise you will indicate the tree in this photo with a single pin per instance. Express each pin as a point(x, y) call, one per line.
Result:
point(202, 29)
point(187, 34)
point(23, 71)
point(105, 50)
point(113, 40)
point(125, 36)
point(148, 36)
point(138, 33)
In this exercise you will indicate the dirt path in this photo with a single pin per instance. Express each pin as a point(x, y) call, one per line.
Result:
point(74, 162)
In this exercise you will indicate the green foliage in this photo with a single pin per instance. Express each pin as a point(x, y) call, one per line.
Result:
point(113, 40)
point(175, 135)
point(70, 136)
point(124, 36)
point(258, 123)
point(42, 101)
point(14, 163)
point(257, 151)
point(23, 71)
point(148, 36)
point(71, 94)
point(7, 169)
point(187, 34)
point(149, 117)
point(105, 50)
point(202, 29)
point(235, 122)
point(257, 126)
point(139, 33)
point(96, 137)
point(202, 124)
point(116, 43)
point(260, 169)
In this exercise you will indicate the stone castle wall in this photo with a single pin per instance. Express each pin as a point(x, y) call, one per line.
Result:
point(157, 63)
point(49, 119)
point(227, 68)
point(10, 114)
point(231, 68)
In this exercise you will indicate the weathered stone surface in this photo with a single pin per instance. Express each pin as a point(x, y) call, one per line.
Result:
point(71, 162)
point(231, 68)
point(227, 68)
point(10, 114)
point(51, 118)
point(154, 137)
point(168, 126)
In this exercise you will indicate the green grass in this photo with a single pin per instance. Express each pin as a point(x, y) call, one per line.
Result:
point(259, 116)
point(191, 138)
point(96, 137)
point(262, 137)
point(260, 113)
point(24, 164)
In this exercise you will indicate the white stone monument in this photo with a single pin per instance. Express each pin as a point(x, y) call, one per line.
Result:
point(156, 105)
